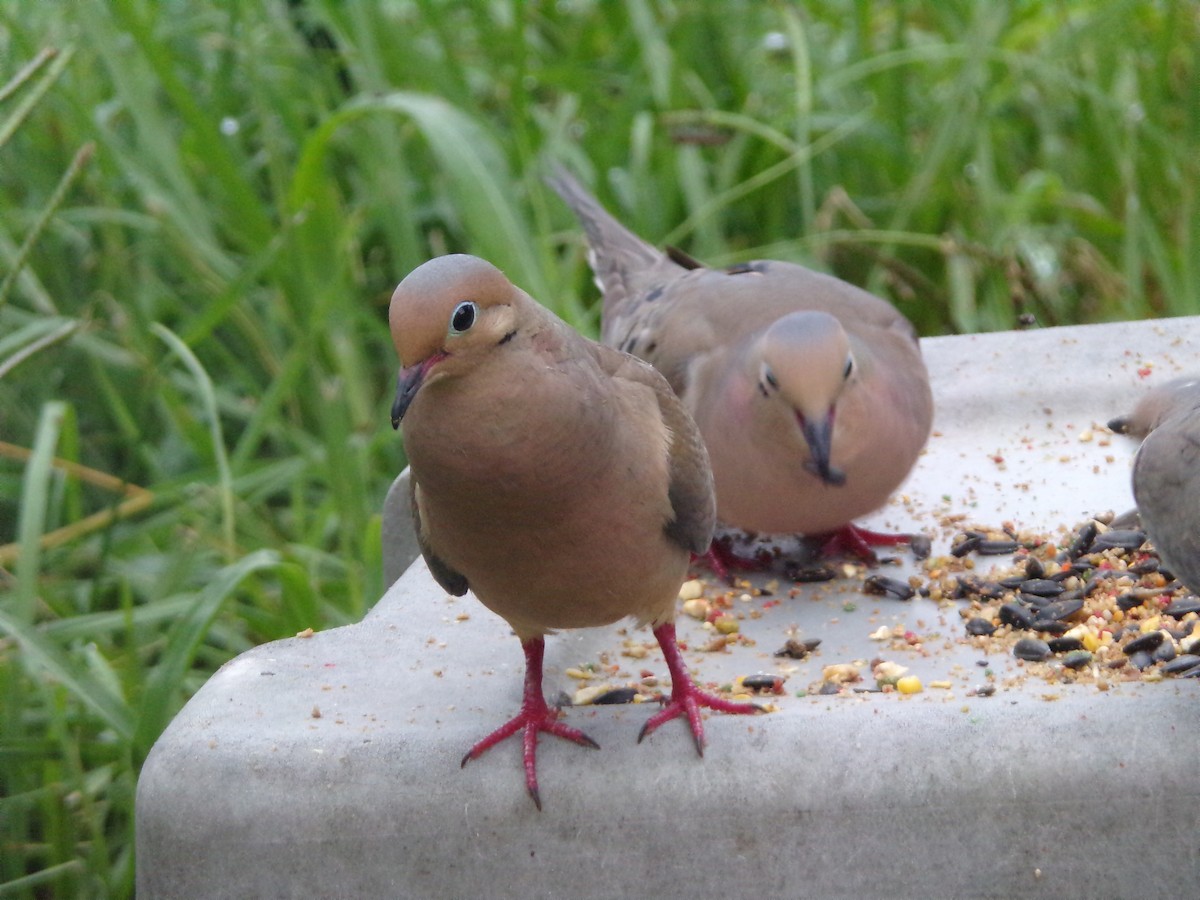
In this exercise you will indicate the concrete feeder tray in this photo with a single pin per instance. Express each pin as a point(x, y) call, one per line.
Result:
point(329, 766)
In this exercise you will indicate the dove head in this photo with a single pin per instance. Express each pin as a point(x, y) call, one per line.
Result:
point(445, 316)
point(1158, 405)
point(806, 362)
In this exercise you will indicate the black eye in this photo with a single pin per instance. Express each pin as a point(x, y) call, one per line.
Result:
point(849, 367)
point(463, 317)
point(769, 376)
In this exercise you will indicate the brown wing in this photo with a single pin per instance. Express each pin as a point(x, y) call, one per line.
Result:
point(452, 581)
point(690, 485)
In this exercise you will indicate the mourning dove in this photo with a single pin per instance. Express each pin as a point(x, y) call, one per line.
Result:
point(559, 480)
point(1166, 473)
point(810, 393)
point(1158, 404)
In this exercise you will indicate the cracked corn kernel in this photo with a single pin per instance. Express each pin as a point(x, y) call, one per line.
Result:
point(726, 624)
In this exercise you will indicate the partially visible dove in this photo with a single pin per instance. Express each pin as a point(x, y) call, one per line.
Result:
point(810, 393)
point(1166, 473)
point(559, 480)
point(1157, 405)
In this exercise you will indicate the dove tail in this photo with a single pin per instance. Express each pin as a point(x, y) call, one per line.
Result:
point(615, 253)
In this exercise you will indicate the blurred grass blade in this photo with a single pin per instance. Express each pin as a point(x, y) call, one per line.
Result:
point(962, 292)
point(32, 286)
point(41, 656)
point(81, 159)
point(33, 338)
point(44, 876)
point(136, 499)
point(719, 118)
point(298, 598)
point(802, 76)
point(234, 293)
point(58, 62)
point(35, 499)
point(467, 156)
point(137, 20)
point(208, 397)
point(170, 183)
point(655, 51)
point(101, 626)
point(158, 703)
point(26, 72)
point(798, 157)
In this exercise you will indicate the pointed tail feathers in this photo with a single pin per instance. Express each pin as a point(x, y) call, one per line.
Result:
point(617, 256)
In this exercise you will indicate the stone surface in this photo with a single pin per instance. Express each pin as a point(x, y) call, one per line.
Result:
point(329, 766)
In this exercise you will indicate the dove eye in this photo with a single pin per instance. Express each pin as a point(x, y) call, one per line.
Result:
point(767, 378)
point(849, 367)
point(463, 317)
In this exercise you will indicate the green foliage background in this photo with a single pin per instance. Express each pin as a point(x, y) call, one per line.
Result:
point(204, 207)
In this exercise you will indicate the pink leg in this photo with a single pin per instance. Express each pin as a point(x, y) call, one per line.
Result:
point(535, 716)
point(686, 698)
point(723, 561)
point(859, 541)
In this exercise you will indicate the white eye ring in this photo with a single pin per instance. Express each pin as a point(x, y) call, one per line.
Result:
point(463, 317)
point(769, 377)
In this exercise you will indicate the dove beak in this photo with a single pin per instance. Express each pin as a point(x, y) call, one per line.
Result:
point(818, 433)
point(1120, 424)
point(408, 382)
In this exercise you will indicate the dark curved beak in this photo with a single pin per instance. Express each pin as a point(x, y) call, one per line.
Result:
point(408, 382)
point(1120, 424)
point(819, 437)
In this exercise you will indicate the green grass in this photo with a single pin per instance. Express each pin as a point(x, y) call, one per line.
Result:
point(204, 207)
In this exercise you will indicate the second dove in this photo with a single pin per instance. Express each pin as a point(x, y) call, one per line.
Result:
point(811, 394)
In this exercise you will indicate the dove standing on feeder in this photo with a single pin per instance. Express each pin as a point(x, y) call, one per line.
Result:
point(1166, 473)
point(810, 393)
point(559, 480)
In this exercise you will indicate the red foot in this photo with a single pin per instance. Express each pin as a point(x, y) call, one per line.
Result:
point(535, 716)
point(723, 561)
point(686, 698)
point(859, 541)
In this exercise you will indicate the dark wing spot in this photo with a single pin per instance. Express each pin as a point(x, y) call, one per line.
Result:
point(758, 267)
point(680, 258)
point(653, 294)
